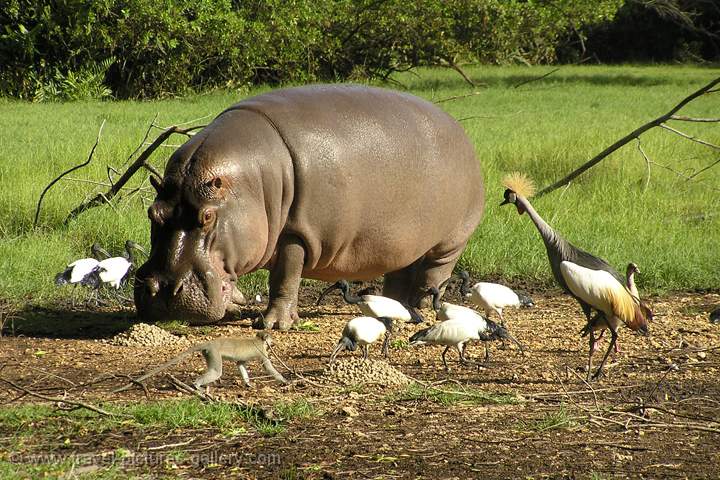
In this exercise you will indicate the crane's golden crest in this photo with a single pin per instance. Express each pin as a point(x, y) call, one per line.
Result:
point(519, 183)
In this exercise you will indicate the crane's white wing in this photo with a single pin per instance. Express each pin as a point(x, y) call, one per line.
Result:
point(600, 290)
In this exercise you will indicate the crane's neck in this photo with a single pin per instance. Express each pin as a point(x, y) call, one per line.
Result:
point(549, 236)
point(631, 283)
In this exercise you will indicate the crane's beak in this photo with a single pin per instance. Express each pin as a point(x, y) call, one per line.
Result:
point(504, 202)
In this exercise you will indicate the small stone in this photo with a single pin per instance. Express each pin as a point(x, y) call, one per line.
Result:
point(350, 411)
point(702, 355)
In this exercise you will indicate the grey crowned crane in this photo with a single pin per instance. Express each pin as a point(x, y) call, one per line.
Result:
point(364, 331)
point(492, 297)
point(589, 279)
point(374, 305)
point(77, 270)
point(113, 271)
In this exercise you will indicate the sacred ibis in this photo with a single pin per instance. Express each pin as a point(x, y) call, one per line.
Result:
point(589, 279)
point(363, 331)
point(115, 270)
point(492, 297)
point(77, 270)
point(374, 305)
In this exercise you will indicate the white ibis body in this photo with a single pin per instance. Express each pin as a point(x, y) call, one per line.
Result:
point(375, 305)
point(364, 331)
point(493, 297)
point(77, 270)
point(113, 271)
point(457, 332)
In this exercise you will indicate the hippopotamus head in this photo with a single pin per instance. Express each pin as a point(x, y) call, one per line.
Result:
point(208, 226)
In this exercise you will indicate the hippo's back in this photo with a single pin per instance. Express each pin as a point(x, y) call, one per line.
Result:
point(380, 177)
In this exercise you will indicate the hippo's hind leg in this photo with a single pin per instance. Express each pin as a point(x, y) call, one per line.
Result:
point(284, 284)
point(433, 269)
point(399, 284)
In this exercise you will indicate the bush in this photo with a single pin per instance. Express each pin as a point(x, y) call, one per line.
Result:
point(65, 49)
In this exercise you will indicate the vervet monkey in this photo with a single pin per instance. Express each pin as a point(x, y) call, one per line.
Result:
point(240, 350)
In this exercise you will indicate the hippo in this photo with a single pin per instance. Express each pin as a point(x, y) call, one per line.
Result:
point(322, 182)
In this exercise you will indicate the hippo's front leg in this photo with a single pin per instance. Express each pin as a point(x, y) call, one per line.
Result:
point(284, 284)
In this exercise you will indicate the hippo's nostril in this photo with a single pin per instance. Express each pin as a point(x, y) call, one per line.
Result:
point(152, 285)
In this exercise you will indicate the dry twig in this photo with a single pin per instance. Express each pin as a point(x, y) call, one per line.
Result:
point(627, 138)
point(59, 400)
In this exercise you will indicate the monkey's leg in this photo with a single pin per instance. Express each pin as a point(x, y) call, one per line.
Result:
point(269, 368)
point(244, 374)
point(214, 368)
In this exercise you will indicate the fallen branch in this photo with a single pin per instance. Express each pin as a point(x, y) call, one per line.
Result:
point(535, 79)
point(293, 371)
point(627, 138)
point(140, 162)
point(59, 400)
point(66, 172)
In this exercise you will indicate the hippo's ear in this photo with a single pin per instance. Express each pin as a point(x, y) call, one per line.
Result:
point(156, 183)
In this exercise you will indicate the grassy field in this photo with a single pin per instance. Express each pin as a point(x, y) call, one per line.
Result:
point(544, 128)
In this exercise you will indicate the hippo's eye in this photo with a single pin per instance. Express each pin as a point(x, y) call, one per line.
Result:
point(207, 217)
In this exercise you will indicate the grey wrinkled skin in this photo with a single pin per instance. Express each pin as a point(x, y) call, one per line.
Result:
point(323, 182)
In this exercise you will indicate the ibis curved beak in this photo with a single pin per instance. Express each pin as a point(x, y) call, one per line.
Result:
point(325, 292)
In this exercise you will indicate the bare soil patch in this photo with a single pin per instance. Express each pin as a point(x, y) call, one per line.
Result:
point(655, 415)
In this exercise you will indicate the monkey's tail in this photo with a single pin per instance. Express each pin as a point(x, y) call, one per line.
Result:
point(175, 360)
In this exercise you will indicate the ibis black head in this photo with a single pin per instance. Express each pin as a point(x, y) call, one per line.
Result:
point(341, 285)
point(525, 301)
point(129, 247)
point(435, 296)
point(63, 277)
point(715, 316)
point(495, 331)
point(98, 252)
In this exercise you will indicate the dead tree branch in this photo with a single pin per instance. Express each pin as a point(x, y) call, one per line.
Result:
point(627, 138)
point(683, 118)
point(66, 172)
point(689, 137)
point(535, 79)
point(140, 162)
point(59, 400)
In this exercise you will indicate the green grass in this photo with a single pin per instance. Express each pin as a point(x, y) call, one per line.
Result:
point(228, 418)
point(448, 396)
point(544, 128)
point(307, 326)
point(559, 419)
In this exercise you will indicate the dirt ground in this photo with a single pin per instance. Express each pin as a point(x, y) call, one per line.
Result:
point(656, 414)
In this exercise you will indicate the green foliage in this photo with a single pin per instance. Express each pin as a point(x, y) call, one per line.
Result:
point(78, 49)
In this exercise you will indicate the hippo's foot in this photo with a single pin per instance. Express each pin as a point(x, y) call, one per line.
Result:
point(278, 317)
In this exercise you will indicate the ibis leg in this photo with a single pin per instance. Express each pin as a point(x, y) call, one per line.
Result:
point(447, 369)
point(366, 352)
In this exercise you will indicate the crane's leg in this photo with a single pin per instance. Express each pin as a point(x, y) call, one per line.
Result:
point(590, 353)
point(613, 340)
point(447, 369)
point(244, 374)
